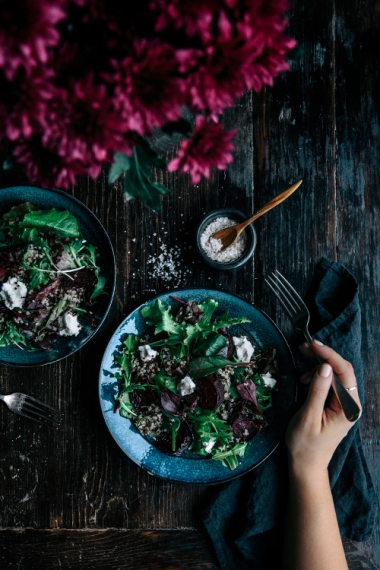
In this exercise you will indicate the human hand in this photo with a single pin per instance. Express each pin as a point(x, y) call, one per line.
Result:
point(319, 426)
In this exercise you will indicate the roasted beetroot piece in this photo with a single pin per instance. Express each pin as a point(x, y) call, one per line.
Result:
point(246, 421)
point(184, 439)
point(172, 403)
point(146, 397)
point(190, 313)
point(191, 400)
point(210, 391)
point(80, 279)
point(9, 260)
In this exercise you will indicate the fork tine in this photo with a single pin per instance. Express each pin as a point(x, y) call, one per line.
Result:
point(42, 404)
point(284, 283)
point(29, 416)
point(45, 414)
point(284, 300)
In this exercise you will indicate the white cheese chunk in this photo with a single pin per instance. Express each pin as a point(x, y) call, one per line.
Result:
point(66, 261)
point(13, 293)
point(208, 445)
point(244, 349)
point(69, 325)
point(147, 353)
point(186, 386)
point(268, 380)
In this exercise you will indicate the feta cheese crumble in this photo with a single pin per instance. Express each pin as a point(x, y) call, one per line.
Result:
point(244, 349)
point(147, 353)
point(13, 293)
point(69, 325)
point(208, 445)
point(186, 386)
point(268, 380)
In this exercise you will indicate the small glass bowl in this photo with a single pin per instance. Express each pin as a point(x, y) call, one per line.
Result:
point(233, 215)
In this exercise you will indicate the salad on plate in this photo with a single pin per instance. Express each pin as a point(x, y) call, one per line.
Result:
point(49, 278)
point(190, 386)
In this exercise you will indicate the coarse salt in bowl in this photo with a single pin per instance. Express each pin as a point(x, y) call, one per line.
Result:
point(236, 254)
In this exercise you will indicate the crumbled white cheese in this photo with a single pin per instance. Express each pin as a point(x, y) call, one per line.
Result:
point(147, 353)
point(13, 293)
point(186, 386)
point(208, 445)
point(66, 261)
point(268, 380)
point(244, 349)
point(69, 325)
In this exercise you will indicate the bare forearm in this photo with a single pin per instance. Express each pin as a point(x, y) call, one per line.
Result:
point(312, 538)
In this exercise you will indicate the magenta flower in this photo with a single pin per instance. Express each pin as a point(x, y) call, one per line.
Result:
point(27, 31)
point(148, 92)
point(209, 146)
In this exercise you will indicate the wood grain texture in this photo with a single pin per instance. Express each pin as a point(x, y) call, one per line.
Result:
point(320, 122)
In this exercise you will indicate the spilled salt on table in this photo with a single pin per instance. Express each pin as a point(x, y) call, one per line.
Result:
point(213, 246)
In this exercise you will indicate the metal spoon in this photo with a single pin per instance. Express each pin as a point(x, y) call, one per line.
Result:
point(228, 235)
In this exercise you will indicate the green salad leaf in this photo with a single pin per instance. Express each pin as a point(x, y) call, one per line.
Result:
point(62, 222)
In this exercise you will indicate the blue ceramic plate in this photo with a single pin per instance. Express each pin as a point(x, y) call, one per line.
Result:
point(264, 334)
point(94, 233)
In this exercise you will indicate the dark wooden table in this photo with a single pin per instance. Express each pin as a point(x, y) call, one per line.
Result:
point(69, 498)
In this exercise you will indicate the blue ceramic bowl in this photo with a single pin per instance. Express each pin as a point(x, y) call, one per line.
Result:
point(250, 233)
point(190, 468)
point(94, 233)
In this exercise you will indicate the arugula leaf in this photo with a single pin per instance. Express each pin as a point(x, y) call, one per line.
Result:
point(208, 307)
point(99, 287)
point(163, 382)
point(224, 321)
point(125, 359)
point(62, 223)
point(161, 318)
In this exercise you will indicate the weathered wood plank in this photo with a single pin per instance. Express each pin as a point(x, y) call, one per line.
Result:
point(30, 549)
point(357, 26)
point(75, 476)
point(111, 549)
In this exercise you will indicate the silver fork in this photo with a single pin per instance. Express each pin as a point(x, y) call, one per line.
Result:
point(30, 407)
point(299, 315)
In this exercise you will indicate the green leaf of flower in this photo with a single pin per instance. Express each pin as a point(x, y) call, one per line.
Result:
point(121, 164)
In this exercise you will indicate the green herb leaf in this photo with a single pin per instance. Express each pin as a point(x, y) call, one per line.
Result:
point(99, 287)
point(211, 345)
point(62, 223)
point(121, 164)
point(203, 366)
point(161, 318)
point(137, 181)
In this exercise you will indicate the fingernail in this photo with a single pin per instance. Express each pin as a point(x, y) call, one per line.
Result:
point(325, 370)
point(318, 342)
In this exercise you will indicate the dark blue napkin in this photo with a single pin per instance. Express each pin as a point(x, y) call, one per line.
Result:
point(245, 518)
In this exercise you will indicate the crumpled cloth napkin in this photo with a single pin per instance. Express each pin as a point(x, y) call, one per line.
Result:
point(245, 518)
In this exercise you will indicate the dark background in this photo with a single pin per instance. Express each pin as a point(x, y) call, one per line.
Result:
point(69, 498)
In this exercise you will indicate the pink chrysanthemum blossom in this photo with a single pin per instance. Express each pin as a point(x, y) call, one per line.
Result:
point(27, 31)
point(209, 146)
point(82, 125)
point(23, 103)
point(82, 132)
point(43, 166)
point(148, 92)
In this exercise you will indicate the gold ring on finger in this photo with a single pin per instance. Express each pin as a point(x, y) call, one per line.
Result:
point(352, 388)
